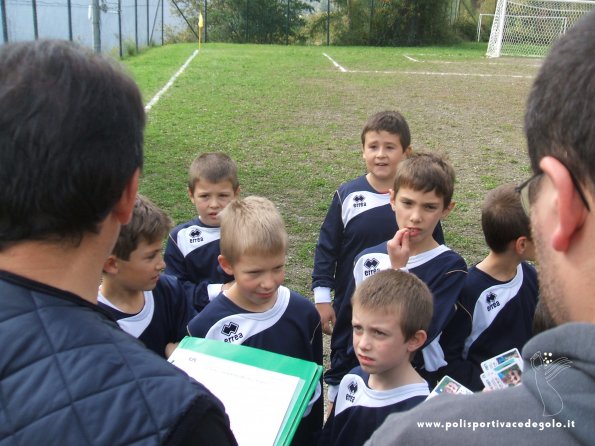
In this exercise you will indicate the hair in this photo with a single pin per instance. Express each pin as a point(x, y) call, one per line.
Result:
point(400, 292)
point(503, 219)
point(251, 226)
point(213, 167)
point(148, 223)
point(71, 138)
point(427, 172)
point(389, 121)
point(560, 109)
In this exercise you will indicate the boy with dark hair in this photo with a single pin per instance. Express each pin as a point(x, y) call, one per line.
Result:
point(359, 216)
point(264, 313)
point(421, 197)
point(496, 307)
point(391, 314)
point(192, 247)
point(71, 150)
point(147, 304)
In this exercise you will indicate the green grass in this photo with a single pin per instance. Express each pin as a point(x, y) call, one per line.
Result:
point(292, 123)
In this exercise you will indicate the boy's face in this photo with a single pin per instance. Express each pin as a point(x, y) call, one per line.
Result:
point(419, 212)
point(378, 342)
point(210, 199)
point(382, 153)
point(141, 271)
point(257, 278)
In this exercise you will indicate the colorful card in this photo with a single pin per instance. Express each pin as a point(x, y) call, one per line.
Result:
point(492, 363)
point(449, 385)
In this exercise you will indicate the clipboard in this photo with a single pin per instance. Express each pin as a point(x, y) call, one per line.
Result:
point(252, 382)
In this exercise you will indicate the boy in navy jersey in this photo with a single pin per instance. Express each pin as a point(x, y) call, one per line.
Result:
point(391, 314)
point(257, 310)
point(192, 247)
point(496, 307)
point(359, 216)
point(421, 197)
point(148, 305)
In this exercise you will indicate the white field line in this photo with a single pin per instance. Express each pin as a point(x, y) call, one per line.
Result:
point(169, 83)
point(410, 58)
point(427, 73)
point(343, 70)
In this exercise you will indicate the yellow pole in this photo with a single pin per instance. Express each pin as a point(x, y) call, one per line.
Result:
point(200, 27)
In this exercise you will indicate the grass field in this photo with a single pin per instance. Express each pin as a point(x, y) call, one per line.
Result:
point(291, 119)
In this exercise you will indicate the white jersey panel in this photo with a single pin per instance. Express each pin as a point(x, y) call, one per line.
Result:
point(357, 203)
point(195, 236)
point(134, 325)
point(239, 327)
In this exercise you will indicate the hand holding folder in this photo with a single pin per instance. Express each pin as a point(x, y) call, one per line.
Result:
point(265, 394)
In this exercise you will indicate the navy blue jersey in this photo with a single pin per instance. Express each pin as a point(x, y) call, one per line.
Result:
point(492, 317)
point(291, 327)
point(163, 318)
point(358, 217)
point(191, 253)
point(443, 271)
point(358, 410)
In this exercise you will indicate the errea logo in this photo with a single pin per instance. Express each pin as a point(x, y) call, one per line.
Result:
point(360, 201)
point(352, 388)
point(231, 331)
point(196, 236)
point(371, 266)
point(491, 300)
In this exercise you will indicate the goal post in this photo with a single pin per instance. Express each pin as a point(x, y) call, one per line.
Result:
point(529, 27)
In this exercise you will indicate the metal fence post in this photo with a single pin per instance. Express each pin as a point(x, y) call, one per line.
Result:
point(35, 30)
point(4, 20)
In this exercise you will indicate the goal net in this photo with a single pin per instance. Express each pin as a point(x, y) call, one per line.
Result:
point(529, 27)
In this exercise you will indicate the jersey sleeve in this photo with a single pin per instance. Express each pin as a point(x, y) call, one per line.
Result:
point(328, 246)
point(174, 259)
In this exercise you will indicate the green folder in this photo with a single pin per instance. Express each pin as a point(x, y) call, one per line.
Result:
point(307, 372)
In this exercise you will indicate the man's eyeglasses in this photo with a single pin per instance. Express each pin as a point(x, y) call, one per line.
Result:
point(524, 190)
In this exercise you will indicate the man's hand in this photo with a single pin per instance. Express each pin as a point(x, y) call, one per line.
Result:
point(327, 317)
point(398, 249)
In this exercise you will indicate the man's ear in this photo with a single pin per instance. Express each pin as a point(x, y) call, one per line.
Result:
point(393, 198)
point(225, 265)
point(125, 205)
point(569, 210)
point(110, 266)
point(416, 341)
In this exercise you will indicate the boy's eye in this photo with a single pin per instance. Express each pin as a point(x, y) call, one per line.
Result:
point(379, 333)
point(431, 207)
point(357, 328)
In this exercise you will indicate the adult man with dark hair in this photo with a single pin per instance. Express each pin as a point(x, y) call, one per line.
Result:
point(554, 403)
point(71, 136)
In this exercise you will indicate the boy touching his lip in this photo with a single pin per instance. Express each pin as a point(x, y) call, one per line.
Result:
point(421, 197)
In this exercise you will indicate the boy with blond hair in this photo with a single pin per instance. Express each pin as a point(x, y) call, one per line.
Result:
point(391, 315)
point(421, 197)
point(192, 247)
point(496, 307)
point(150, 306)
point(359, 216)
point(257, 310)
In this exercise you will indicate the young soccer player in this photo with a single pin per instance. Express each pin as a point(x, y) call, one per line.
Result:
point(151, 306)
point(421, 197)
point(192, 247)
point(257, 310)
point(391, 314)
point(359, 216)
point(496, 307)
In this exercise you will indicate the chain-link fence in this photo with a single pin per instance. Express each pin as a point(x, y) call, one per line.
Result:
point(117, 26)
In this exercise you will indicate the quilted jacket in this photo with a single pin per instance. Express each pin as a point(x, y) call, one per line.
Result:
point(69, 375)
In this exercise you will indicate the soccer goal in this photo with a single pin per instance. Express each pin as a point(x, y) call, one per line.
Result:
point(529, 27)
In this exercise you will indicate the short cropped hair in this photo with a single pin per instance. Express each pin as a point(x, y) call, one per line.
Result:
point(251, 226)
point(148, 223)
point(389, 121)
point(560, 115)
point(503, 219)
point(427, 172)
point(404, 293)
point(71, 138)
point(213, 167)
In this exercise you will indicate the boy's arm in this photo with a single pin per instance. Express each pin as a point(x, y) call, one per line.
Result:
point(174, 259)
point(398, 249)
point(325, 262)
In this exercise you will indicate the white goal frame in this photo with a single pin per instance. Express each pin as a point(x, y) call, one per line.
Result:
point(529, 27)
